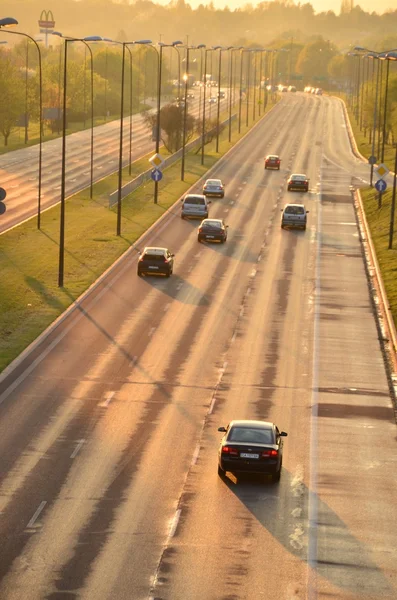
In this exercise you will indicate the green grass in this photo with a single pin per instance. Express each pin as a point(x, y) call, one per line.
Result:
point(379, 224)
point(30, 297)
point(363, 141)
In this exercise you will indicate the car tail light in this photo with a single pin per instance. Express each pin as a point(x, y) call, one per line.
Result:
point(230, 451)
point(269, 454)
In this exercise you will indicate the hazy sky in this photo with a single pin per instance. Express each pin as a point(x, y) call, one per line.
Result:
point(318, 5)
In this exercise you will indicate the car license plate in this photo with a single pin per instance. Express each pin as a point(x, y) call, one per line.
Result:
point(248, 455)
point(210, 237)
point(153, 267)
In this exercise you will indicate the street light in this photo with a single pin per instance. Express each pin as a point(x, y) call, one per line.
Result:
point(230, 87)
point(241, 85)
point(85, 40)
point(10, 22)
point(392, 56)
point(158, 126)
point(221, 49)
point(186, 78)
point(203, 136)
point(120, 172)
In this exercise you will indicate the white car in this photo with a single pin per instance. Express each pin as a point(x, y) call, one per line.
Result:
point(294, 215)
point(214, 187)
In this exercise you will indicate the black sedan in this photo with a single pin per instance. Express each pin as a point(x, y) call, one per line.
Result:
point(251, 447)
point(298, 182)
point(155, 261)
point(212, 230)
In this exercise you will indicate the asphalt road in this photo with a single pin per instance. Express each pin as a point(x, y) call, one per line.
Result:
point(108, 430)
point(19, 174)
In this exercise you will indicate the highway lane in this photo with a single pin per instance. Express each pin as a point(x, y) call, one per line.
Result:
point(19, 169)
point(108, 447)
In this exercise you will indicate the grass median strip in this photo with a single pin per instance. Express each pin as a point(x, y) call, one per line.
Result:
point(30, 297)
point(379, 224)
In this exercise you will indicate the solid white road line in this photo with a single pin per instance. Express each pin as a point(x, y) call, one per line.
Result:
point(174, 524)
point(36, 514)
point(77, 449)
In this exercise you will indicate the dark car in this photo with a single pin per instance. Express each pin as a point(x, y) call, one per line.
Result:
point(298, 182)
point(155, 261)
point(272, 161)
point(251, 447)
point(212, 230)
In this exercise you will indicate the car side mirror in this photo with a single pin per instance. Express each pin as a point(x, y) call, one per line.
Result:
point(209, 201)
point(283, 434)
point(172, 255)
point(222, 429)
point(227, 226)
point(307, 212)
point(281, 209)
point(181, 199)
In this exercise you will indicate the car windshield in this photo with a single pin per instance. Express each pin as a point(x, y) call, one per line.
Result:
point(295, 210)
point(194, 200)
point(252, 435)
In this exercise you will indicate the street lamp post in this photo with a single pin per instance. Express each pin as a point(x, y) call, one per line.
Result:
point(392, 56)
point(120, 170)
point(219, 92)
point(241, 86)
point(11, 22)
point(253, 108)
point(248, 83)
point(85, 40)
point(230, 88)
point(203, 136)
point(158, 126)
point(186, 78)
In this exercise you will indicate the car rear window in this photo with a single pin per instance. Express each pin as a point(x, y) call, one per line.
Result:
point(212, 224)
point(195, 200)
point(295, 210)
point(298, 178)
point(154, 257)
point(251, 436)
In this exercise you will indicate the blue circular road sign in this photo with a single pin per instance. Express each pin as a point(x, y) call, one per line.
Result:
point(3, 194)
point(156, 175)
point(372, 160)
point(2, 208)
point(380, 185)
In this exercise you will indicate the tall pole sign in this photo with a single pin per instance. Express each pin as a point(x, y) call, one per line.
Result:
point(46, 24)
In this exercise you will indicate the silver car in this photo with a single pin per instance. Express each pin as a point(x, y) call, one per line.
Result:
point(294, 215)
point(195, 206)
point(214, 187)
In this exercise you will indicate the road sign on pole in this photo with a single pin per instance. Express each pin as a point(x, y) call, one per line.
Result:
point(156, 175)
point(3, 194)
point(156, 161)
point(2, 208)
point(372, 160)
point(382, 170)
point(380, 185)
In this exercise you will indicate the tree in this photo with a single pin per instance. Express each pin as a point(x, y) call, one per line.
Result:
point(172, 121)
point(11, 96)
point(314, 58)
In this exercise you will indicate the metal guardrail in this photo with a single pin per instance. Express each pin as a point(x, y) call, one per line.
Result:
point(135, 183)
